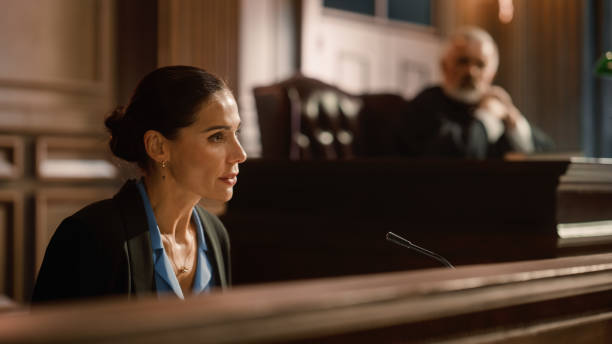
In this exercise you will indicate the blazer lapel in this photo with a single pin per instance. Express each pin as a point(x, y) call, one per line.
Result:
point(215, 245)
point(138, 239)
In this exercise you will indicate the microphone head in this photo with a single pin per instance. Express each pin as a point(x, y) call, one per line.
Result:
point(396, 238)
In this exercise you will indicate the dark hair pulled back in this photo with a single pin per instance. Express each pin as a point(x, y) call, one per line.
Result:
point(165, 100)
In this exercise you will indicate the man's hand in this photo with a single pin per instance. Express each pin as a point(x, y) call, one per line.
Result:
point(495, 108)
point(498, 103)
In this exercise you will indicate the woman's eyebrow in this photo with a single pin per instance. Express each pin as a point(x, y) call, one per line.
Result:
point(217, 127)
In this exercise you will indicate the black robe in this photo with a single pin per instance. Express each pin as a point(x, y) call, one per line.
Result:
point(436, 125)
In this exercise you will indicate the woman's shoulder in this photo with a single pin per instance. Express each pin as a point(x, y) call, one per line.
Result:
point(97, 217)
point(97, 211)
point(107, 210)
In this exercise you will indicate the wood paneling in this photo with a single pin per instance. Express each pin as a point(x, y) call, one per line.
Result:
point(136, 44)
point(202, 33)
point(12, 249)
point(11, 157)
point(73, 159)
point(56, 72)
point(68, 54)
point(57, 82)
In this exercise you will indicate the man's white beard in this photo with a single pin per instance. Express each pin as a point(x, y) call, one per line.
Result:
point(464, 95)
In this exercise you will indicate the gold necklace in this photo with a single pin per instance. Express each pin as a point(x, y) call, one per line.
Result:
point(185, 267)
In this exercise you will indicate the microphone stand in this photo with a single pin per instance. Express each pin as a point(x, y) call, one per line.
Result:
point(396, 239)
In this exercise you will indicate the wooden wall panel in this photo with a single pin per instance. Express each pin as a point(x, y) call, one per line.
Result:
point(12, 247)
point(202, 33)
point(74, 159)
point(57, 79)
point(68, 54)
point(136, 44)
point(56, 70)
point(11, 157)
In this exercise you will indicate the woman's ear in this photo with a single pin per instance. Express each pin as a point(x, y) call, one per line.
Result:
point(156, 146)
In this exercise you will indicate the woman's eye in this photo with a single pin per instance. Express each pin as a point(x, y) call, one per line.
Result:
point(218, 137)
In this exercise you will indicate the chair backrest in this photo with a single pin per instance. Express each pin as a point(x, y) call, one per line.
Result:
point(303, 118)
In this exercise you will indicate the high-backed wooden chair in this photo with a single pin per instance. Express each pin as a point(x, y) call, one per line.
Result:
point(303, 118)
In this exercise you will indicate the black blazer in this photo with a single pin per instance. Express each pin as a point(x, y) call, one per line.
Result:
point(105, 249)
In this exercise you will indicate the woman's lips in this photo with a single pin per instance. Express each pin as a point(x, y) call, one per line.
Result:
point(230, 179)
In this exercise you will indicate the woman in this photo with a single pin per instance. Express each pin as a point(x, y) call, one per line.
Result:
point(181, 128)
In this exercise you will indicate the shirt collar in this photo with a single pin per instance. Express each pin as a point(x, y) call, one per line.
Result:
point(163, 269)
point(156, 242)
point(199, 231)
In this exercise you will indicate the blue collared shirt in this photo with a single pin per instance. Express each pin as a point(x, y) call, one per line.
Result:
point(165, 279)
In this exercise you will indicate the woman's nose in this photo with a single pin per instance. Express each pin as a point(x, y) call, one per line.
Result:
point(238, 153)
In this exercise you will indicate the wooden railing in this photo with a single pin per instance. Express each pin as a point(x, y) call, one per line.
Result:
point(564, 299)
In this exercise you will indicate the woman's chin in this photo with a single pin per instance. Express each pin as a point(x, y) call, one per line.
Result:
point(222, 196)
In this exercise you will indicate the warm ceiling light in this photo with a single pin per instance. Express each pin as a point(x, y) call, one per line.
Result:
point(506, 11)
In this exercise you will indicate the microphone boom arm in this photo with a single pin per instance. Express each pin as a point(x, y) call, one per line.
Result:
point(396, 239)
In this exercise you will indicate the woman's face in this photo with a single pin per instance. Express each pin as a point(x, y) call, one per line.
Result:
point(204, 157)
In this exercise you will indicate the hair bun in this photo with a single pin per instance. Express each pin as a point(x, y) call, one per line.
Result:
point(122, 131)
point(113, 121)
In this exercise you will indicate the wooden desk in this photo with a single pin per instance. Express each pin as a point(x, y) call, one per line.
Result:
point(548, 301)
point(306, 219)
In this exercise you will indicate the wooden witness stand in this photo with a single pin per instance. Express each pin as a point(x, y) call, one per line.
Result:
point(558, 300)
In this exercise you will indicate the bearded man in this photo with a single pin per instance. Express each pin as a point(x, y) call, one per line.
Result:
point(467, 116)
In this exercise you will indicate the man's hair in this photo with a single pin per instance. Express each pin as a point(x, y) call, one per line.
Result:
point(471, 34)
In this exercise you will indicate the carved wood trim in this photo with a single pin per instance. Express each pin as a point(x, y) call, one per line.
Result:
point(71, 159)
point(11, 157)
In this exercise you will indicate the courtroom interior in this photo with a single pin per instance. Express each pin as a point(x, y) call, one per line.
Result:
point(478, 131)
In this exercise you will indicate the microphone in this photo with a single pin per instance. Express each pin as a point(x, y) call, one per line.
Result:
point(396, 239)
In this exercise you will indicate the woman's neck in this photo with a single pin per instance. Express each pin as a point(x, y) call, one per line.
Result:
point(171, 204)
